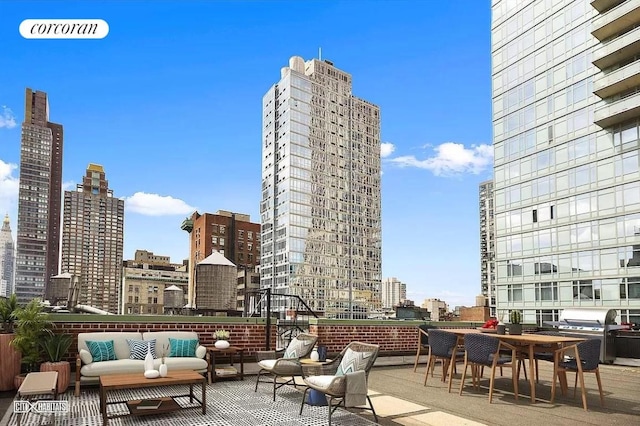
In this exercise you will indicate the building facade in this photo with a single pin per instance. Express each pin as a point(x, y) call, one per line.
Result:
point(566, 109)
point(392, 293)
point(7, 259)
point(231, 234)
point(146, 280)
point(39, 198)
point(320, 206)
point(487, 245)
point(92, 240)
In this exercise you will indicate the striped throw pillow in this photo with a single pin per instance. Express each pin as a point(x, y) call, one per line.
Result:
point(183, 348)
point(101, 351)
point(138, 348)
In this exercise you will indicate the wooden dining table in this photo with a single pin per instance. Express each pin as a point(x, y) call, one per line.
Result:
point(534, 343)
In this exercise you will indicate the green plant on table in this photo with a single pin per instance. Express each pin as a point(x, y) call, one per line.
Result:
point(221, 335)
point(515, 317)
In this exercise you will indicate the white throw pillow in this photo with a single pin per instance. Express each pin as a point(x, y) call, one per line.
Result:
point(85, 356)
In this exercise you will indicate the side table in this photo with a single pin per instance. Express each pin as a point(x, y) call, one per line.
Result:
point(315, 397)
point(231, 351)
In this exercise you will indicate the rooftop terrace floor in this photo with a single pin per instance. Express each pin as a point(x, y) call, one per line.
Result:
point(400, 398)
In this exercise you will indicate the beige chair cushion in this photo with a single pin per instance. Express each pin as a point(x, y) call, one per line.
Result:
point(119, 366)
point(267, 364)
point(120, 345)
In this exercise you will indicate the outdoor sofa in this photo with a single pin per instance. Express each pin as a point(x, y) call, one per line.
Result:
point(127, 353)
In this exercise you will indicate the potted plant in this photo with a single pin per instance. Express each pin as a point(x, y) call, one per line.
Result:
point(55, 346)
point(9, 355)
point(515, 317)
point(222, 339)
point(30, 329)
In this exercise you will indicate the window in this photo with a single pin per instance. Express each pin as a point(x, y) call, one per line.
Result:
point(544, 268)
point(583, 290)
point(514, 292)
point(514, 268)
point(547, 291)
point(546, 315)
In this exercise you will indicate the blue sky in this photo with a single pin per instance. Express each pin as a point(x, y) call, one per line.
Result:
point(170, 104)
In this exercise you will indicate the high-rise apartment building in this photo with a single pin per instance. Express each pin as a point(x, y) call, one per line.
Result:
point(320, 208)
point(566, 115)
point(487, 245)
point(39, 198)
point(7, 259)
point(92, 240)
point(231, 234)
point(392, 292)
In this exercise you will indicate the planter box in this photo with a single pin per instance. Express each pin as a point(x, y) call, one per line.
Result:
point(9, 363)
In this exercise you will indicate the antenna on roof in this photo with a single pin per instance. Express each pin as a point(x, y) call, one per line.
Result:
point(319, 53)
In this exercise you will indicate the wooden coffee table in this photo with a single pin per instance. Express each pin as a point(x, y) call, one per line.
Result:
point(137, 381)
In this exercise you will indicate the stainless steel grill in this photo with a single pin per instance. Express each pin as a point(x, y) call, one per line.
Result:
point(591, 323)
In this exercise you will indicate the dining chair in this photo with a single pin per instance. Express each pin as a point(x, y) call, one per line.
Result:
point(423, 342)
point(544, 352)
point(286, 364)
point(484, 351)
point(333, 377)
point(587, 359)
point(443, 345)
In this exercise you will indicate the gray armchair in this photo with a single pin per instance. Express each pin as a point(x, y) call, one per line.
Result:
point(331, 378)
point(285, 363)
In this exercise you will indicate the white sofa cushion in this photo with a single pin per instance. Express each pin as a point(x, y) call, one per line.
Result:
point(120, 345)
point(186, 363)
point(119, 366)
point(85, 356)
point(162, 341)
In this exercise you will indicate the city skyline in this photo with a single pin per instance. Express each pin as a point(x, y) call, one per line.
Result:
point(161, 111)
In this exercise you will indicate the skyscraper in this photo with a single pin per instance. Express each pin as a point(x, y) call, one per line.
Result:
point(320, 208)
point(566, 114)
point(38, 242)
point(92, 240)
point(393, 292)
point(7, 259)
point(487, 245)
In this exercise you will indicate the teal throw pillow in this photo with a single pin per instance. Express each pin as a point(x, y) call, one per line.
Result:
point(183, 348)
point(101, 351)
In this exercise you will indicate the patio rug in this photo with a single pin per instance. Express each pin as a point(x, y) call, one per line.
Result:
point(228, 403)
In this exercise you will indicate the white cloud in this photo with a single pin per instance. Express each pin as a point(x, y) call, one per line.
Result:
point(69, 186)
point(451, 159)
point(156, 205)
point(386, 149)
point(7, 119)
point(8, 186)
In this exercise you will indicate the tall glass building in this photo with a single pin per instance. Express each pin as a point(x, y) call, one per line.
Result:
point(566, 113)
point(320, 207)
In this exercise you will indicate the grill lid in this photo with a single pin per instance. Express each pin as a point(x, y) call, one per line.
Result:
point(594, 317)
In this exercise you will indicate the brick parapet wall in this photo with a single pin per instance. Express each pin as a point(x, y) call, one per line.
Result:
point(394, 337)
point(248, 336)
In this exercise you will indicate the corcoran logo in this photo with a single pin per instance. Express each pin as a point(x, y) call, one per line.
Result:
point(64, 28)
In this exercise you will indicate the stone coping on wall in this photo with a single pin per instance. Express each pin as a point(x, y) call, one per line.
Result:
point(155, 319)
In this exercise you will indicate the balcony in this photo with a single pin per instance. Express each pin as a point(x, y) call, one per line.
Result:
point(617, 81)
point(602, 5)
point(616, 20)
point(617, 50)
point(618, 112)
